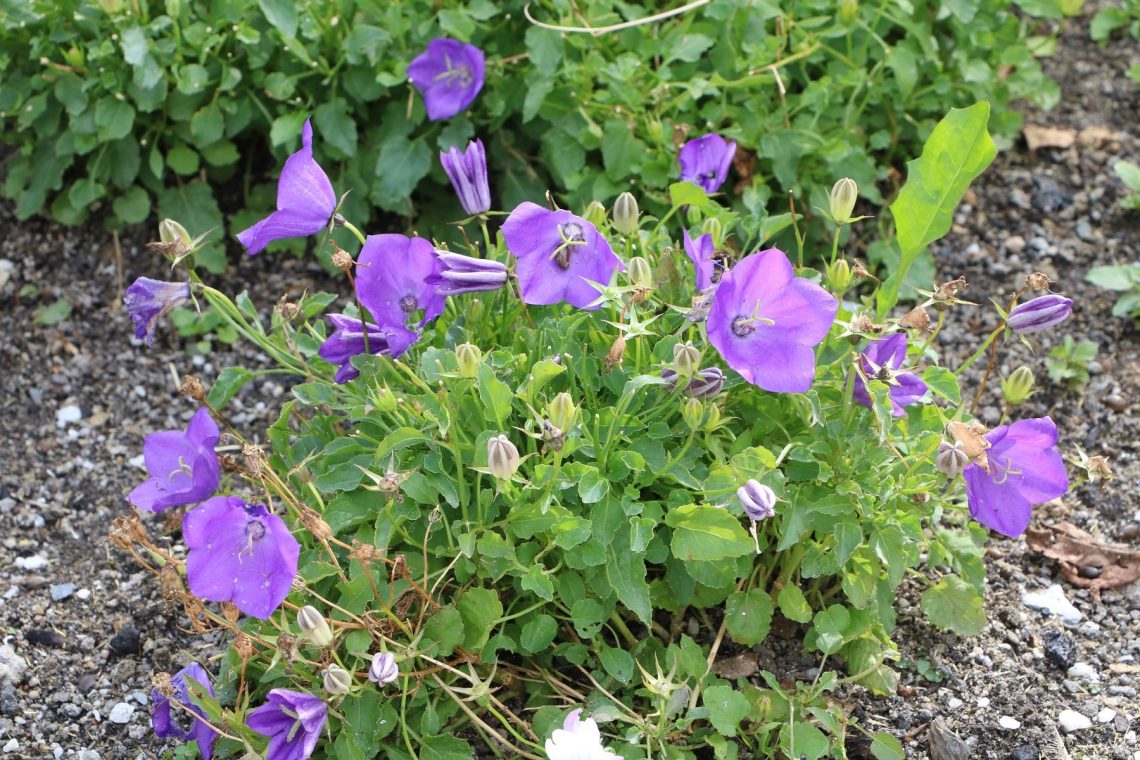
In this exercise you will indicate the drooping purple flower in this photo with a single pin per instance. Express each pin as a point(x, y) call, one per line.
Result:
point(704, 384)
point(457, 274)
point(449, 74)
point(757, 499)
point(558, 254)
point(1024, 469)
point(882, 360)
point(467, 171)
point(347, 340)
point(183, 467)
point(1039, 313)
point(392, 274)
point(148, 301)
point(701, 252)
point(305, 201)
point(765, 322)
point(239, 553)
point(292, 720)
point(705, 161)
point(168, 720)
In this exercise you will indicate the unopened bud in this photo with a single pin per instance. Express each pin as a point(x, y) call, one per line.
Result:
point(712, 226)
point(847, 10)
point(383, 670)
point(639, 272)
point(693, 412)
point(595, 214)
point(951, 459)
point(626, 214)
point(757, 499)
point(686, 359)
point(314, 626)
point(844, 193)
point(1040, 313)
point(839, 276)
point(1037, 281)
point(468, 356)
point(704, 384)
point(384, 400)
point(712, 422)
point(502, 457)
point(1018, 386)
point(170, 231)
point(337, 680)
point(562, 412)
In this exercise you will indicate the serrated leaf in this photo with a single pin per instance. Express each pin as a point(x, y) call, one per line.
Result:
point(230, 381)
point(727, 707)
point(944, 383)
point(495, 394)
point(954, 605)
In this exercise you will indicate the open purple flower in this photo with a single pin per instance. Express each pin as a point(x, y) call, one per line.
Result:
point(168, 720)
point(392, 274)
point(467, 171)
point(347, 340)
point(882, 360)
point(239, 553)
point(765, 322)
point(148, 301)
point(292, 720)
point(705, 161)
point(449, 74)
point(701, 252)
point(183, 467)
point(558, 254)
point(465, 274)
point(1024, 468)
point(1039, 314)
point(305, 200)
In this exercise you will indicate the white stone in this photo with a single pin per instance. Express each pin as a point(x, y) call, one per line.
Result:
point(139, 462)
point(1053, 601)
point(12, 665)
point(1008, 723)
point(983, 702)
point(83, 593)
point(954, 703)
point(68, 414)
point(121, 713)
point(13, 745)
point(1083, 671)
point(1071, 721)
point(6, 268)
point(34, 562)
point(1105, 715)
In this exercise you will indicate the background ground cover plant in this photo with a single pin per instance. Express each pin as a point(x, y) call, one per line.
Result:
point(137, 107)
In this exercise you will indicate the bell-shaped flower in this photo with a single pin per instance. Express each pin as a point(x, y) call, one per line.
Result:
point(383, 669)
point(467, 171)
point(148, 301)
point(1022, 468)
point(757, 499)
point(705, 161)
point(559, 255)
point(701, 252)
point(1039, 313)
point(577, 740)
point(449, 74)
point(348, 340)
point(765, 322)
point(392, 275)
point(305, 201)
point(183, 467)
point(239, 553)
point(292, 720)
point(168, 720)
point(457, 274)
point(883, 360)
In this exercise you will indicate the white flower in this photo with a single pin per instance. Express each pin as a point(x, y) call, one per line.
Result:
point(577, 740)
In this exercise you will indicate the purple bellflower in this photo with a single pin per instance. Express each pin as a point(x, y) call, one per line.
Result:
point(701, 252)
point(148, 301)
point(705, 161)
point(558, 254)
point(239, 553)
point(449, 74)
point(1039, 313)
point(882, 360)
point(391, 279)
point(457, 273)
point(167, 720)
point(183, 467)
point(305, 201)
point(347, 340)
point(757, 499)
point(1024, 469)
point(765, 322)
point(292, 720)
point(467, 171)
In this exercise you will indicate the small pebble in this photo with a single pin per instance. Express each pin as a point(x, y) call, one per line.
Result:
point(1053, 601)
point(13, 745)
point(954, 703)
point(67, 415)
point(1071, 721)
point(1025, 752)
point(984, 702)
point(122, 712)
point(1059, 648)
point(83, 593)
point(1083, 671)
point(34, 562)
point(1015, 244)
point(126, 641)
point(1105, 715)
point(61, 591)
point(1008, 723)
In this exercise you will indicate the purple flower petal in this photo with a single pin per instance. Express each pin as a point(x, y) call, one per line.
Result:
point(449, 74)
point(293, 722)
point(392, 279)
point(705, 161)
point(347, 341)
point(701, 252)
point(467, 171)
point(148, 301)
point(1040, 313)
point(165, 718)
point(885, 356)
point(183, 467)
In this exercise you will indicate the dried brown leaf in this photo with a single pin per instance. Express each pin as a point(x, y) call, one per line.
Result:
point(1048, 137)
point(1073, 549)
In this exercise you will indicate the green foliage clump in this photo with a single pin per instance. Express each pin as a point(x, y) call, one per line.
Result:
point(1124, 279)
point(1068, 363)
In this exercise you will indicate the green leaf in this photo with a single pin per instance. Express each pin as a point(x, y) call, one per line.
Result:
point(1106, 21)
point(957, 151)
point(446, 629)
point(495, 394)
point(481, 610)
point(830, 625)
point(706, 534)
point(886, 747)
point(282, 14)
point(444, 747)
point(1114, 277)
point(53, 314)
point(538, 634)
point(809, 741)
point(621, 151)
point(1129, 174)
point(793, 604)
point(688, 194)
point(182, 159)
point(538, 581)
point(401, 165)
point(132, 206)
point(114, 118)
point(337, 126)
point(943, 382)
point(207, 125)
point(954, 605)
point(625, 569)
point(748, 616)
point(229, 382)
point(618, 663)
point(727, 707)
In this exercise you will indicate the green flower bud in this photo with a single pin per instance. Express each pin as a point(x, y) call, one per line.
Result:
point(337, 680)
point(838, 276)
point(842, 200)
point(639, 272)
point(502, 457)
point(595, 213)
point(686, 359)
point(693, 412)
point(1018, 387)
point(712, 226)
point(314, 626)
point(384, 400)
point(468, 357)
point(170, 231)
point(847, 10)
point(562, 413)
point(626, 214)
point(713, 421)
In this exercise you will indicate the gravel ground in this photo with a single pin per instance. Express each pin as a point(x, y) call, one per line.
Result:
point(87, 627)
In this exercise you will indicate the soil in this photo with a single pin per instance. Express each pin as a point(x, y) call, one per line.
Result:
point(87, 628)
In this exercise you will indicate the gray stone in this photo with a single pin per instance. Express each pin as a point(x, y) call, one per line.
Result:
point(1071, 721)
point(61, 591)
point(122, 712)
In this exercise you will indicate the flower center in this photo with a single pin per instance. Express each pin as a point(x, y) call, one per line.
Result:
point(409, 304)
point(572, 235)
point(254, 531)
point(1002, 473)
point(460, 75)
point(742, 326)
point(182, 469)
